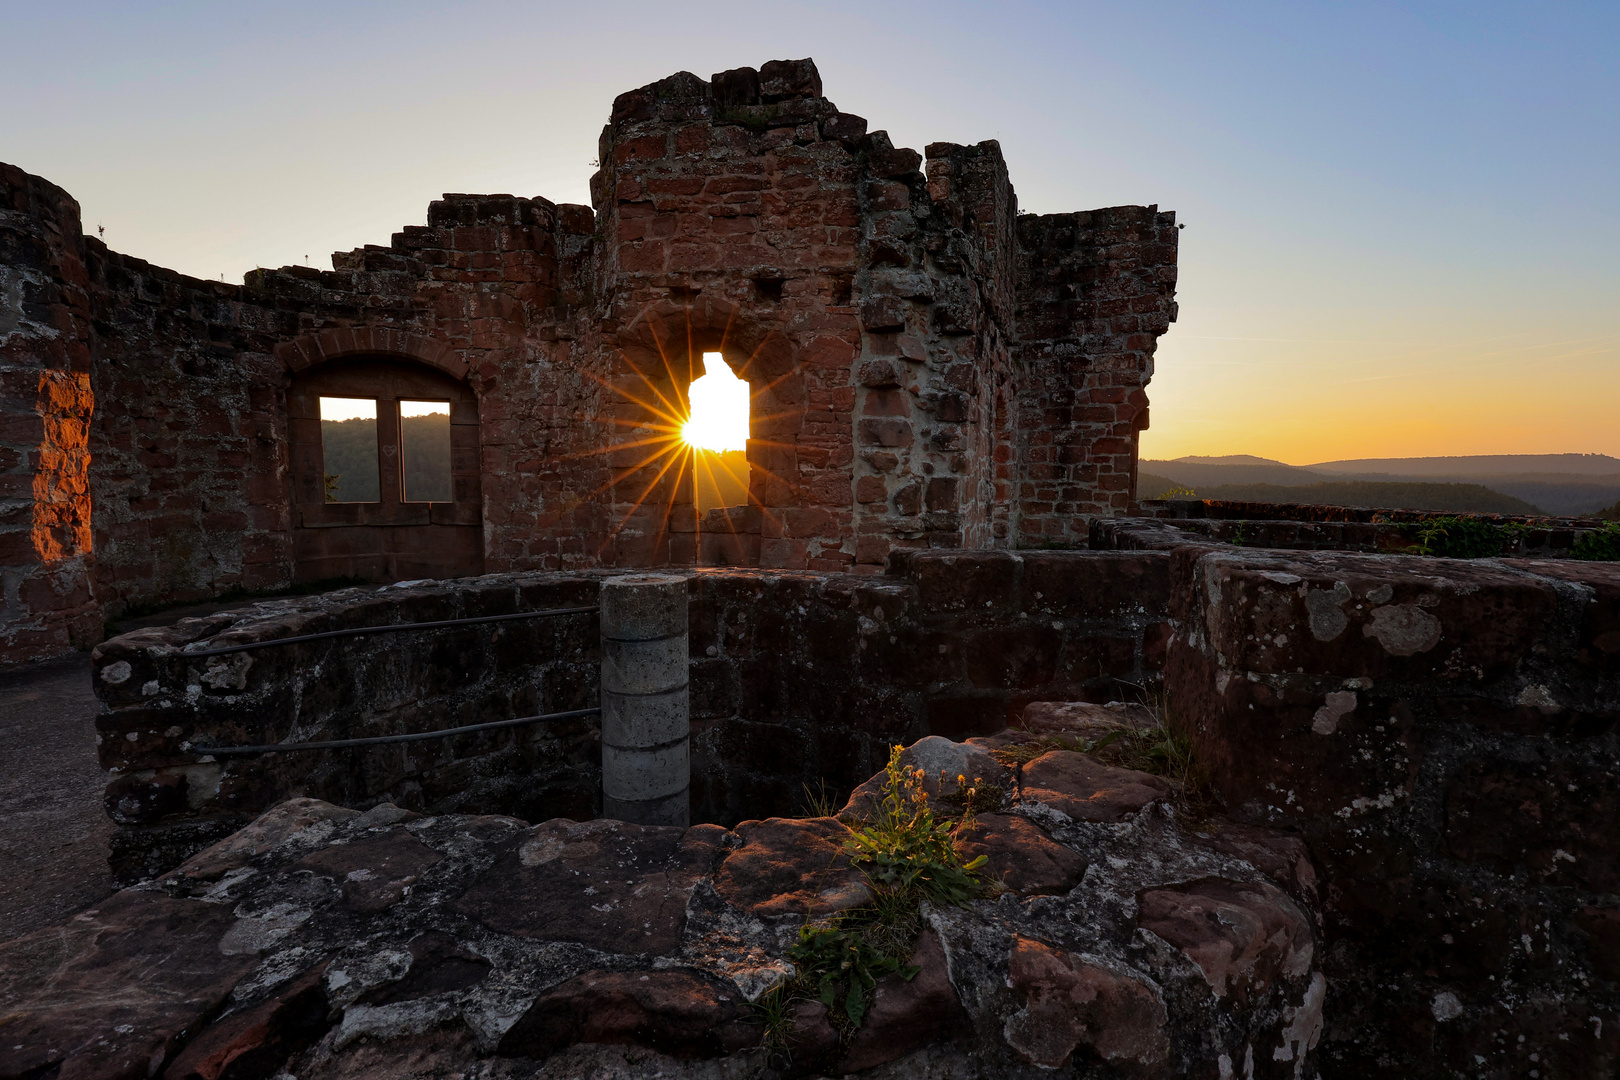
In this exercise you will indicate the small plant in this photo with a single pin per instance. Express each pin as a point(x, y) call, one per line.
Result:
point(1178, 493)
point(909, 857)
point(844, 968)
point(1462, 537)
point(330, 481)
point(977, 796)
point(819, 801)
point(1600, 545)
point(907, 849)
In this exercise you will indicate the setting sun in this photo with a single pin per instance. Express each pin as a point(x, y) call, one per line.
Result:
point(718, 420)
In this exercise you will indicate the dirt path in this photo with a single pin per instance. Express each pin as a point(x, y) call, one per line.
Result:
point(53, 832)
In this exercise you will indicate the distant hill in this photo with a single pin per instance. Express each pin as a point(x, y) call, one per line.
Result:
point(1478, 465)
point(1397, 495)
point(1414, 495)
point(1564, 484)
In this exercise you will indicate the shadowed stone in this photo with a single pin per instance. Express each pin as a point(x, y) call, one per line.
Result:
point(295, 818)
point(374, 872)
point(684, 1013)
point(606, 884)
point(1069, 1002)
point(111, 993)
point(908, 1015)
point(1243, 936)
point(255, 1042)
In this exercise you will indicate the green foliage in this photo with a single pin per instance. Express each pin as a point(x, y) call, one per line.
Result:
point(909, 857)
point(843, 967)
point(907, 849)
point(1462, 538)
point(819, 801)
point(1602, 545)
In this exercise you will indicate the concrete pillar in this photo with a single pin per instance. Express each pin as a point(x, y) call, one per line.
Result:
point(646, 716)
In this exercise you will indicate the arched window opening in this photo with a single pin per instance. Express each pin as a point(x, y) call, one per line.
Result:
point(716, 431)
point(385, 472)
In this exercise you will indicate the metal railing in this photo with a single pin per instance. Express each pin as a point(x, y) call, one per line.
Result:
point(376, 740)
point(391, 628)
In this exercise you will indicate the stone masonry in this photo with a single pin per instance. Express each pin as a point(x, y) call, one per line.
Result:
point(929, 368)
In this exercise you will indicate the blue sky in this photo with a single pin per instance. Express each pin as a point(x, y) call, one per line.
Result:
point(1402, 220)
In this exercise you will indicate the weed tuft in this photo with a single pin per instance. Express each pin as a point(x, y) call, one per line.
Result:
point(910, 857)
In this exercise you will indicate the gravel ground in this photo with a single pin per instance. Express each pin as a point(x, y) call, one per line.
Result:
point(53, 832)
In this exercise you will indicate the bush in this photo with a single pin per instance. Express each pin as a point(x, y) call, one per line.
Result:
point(1463, 538)
point(1603, 545)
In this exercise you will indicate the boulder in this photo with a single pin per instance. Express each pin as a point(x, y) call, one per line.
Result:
point(1243, 936)
point(936, 757)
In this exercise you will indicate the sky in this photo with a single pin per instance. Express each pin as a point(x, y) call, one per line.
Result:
point(1402, 220)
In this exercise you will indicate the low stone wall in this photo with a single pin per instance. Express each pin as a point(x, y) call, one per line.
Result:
point(796, 678)
point(1445, 735)
point(1336, 528)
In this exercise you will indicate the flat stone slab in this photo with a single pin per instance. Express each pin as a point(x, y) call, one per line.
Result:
point(1020, 855)
point(1087, 790)
point(605, 884)
point(791, 867)
point(115, 989)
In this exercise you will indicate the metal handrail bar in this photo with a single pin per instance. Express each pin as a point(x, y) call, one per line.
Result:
point(337, 744)
point(389, 629)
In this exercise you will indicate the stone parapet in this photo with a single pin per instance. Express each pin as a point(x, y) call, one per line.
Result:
point(795, 678)
point(1445, 735)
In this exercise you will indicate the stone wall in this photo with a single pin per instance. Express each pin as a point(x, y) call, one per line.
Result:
point(796, 678)
point(907, 393)
point(1095, 292)
point(1443, 734)
point(46, 401)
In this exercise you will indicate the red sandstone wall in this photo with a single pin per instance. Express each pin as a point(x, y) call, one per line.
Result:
point(45, 407)
point(907, 393)
point(732, 221)
point(1095, 292)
